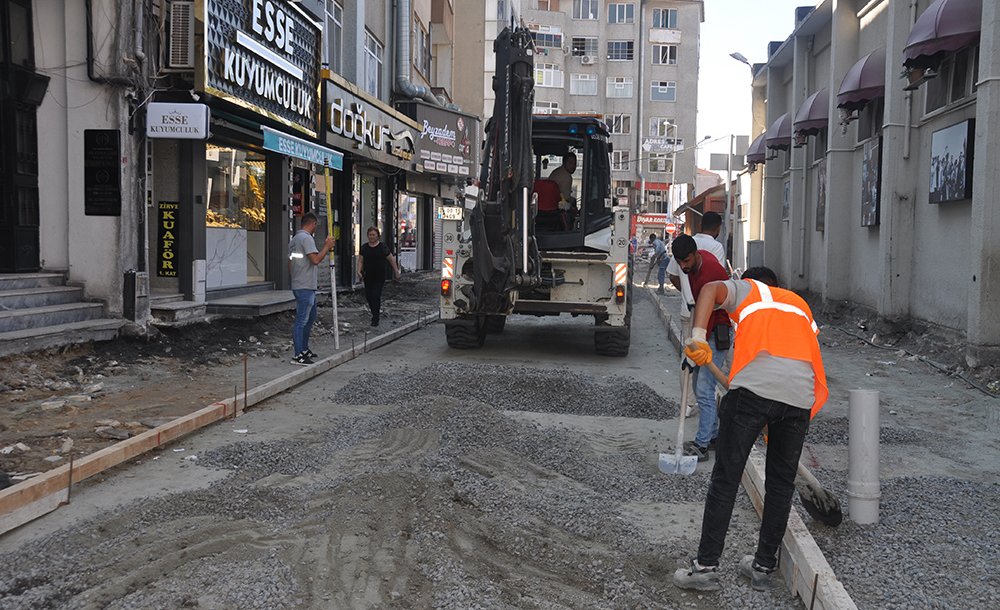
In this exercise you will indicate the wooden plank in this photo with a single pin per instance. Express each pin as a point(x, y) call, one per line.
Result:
point(40, 495)
point(801, 558)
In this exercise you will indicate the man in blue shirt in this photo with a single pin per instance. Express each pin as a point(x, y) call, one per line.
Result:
point(660, 259)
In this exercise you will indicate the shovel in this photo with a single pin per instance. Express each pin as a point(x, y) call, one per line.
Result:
point(822, 505)
point(676, 463)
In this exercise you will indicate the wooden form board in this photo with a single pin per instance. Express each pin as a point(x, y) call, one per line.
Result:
point(35, 497)
point(801, 558)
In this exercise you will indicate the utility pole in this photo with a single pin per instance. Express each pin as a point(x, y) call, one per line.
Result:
point(731, 217)
point(671, 205)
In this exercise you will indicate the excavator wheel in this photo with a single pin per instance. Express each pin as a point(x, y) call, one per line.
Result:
point(465, 334)
point(613, 342)
point(495, 324)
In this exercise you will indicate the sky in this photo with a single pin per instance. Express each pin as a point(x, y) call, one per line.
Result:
point(744, 26)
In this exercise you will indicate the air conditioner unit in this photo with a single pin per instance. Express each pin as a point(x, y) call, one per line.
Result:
point(587, 60)
point(180, 51)
point(621, 191)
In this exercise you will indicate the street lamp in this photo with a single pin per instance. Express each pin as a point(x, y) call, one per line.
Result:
point(740, 58)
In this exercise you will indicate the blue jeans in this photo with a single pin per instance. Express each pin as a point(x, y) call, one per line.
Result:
point(704, 393)
point(305, 315)
point(661, 271)
point(743, 417)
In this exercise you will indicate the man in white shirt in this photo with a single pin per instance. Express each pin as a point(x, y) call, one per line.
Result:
point(711, 225)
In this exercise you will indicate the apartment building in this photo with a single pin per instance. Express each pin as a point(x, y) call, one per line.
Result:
point(635, 64)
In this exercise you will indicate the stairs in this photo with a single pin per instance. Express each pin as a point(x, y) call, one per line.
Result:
point(173, 311)
point(38, 311)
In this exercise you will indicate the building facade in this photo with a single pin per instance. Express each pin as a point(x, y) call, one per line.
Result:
point(876, 123)
point(635, 64)
point(182, 141)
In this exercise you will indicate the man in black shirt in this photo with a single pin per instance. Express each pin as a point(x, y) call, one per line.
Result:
point(371, 267)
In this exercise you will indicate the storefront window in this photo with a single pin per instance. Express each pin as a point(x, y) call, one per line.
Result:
point(235, 218)
point(408, 232)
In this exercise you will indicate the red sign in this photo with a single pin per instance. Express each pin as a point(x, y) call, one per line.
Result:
point(651, 219)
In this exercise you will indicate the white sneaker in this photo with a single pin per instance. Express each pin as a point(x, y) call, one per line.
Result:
point(691, 410)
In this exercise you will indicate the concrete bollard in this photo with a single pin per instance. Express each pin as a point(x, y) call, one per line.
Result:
point(863, 490)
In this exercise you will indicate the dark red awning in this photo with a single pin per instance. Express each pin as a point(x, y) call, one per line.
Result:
point(864, 82)
point(946, 26)
point(757, 153)
point(779, 134)
point(814, 113)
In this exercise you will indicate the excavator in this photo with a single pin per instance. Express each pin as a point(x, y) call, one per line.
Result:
point(517, 243)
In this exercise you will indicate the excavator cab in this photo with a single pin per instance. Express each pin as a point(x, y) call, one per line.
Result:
point(573, 211)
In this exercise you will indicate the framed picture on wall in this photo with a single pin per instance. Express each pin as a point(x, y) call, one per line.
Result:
point(871, 182)
point(821, 195)
point(951, 162)
point(786, 204)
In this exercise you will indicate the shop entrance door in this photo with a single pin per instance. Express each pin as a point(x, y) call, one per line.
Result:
point(21, 90)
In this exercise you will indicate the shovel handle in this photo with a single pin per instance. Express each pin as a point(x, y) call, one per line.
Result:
point(719, 375)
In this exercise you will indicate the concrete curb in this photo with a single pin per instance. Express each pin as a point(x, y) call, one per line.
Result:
point(802, 564)
point(28, 500)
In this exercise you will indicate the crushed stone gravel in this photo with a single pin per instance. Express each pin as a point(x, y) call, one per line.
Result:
point(514, 388)
point(834, 431)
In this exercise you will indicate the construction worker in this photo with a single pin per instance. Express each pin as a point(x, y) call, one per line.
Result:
point(777, 381)
point(660, 259)
point(700, 268)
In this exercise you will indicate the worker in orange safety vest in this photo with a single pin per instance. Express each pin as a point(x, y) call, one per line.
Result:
point(776, 380)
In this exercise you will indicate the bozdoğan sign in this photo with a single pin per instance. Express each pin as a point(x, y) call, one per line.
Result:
point(265, 57)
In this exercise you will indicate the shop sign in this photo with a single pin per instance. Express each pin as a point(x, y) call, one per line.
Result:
point(448, 140)
point(662, 144)
point(651, 219)
point(264, 55)
point(102, 171)
point(177, 121)
point(353, 123)
point(301, 149)
point(166, 238)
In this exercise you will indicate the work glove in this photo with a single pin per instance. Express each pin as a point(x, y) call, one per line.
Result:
point(697, 349)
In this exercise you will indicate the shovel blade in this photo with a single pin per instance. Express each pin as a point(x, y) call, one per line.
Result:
point(673, 464)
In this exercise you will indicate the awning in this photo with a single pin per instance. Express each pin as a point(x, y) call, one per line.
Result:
point(946, 26)
point(813, 114)
point(864, 82)
point(757, 153)
point(779, 134)
point(301, 149)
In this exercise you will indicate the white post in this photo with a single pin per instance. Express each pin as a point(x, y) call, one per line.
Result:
point(730, 224)
point(863, 491)
point(671, 204)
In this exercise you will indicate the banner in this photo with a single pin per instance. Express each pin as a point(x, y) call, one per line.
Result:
point(166, 238)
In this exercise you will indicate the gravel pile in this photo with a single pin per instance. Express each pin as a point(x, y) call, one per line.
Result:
point(936, 545)
point(514, 388)
point(834, 431)
point(435, 503)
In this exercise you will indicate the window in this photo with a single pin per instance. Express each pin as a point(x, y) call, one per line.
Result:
point(621, 50)
point(585, 9)
point(870, 119)
point(619, 86)
point(819, 144)
point(665, 18)
point(956, 80)
point(664, 91)
point(659, 162)
point(335, 34)
point(501, 10)
point(545, 108)
point(547, 5)
point(660, 126)
point(620, 160)
point(621, 12)
point(618, 124)
point(546, 37)
point(583, 84)
point(584, 46)
point(373, 65)
point(548, 75)
point(665, 54)
point(422, 41)
point(237, 199)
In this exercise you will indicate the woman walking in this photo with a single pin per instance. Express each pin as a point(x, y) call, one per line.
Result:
point(371, 268)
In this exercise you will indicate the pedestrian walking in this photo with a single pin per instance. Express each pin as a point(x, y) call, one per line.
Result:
point(776, 382)
point(371, 267)
point(660, 259)
point(303, 258)
point(699, 268)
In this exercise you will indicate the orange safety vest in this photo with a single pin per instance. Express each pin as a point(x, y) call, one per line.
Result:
point(780, 323)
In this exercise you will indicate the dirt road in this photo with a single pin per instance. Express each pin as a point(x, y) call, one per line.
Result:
point(519, 476)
